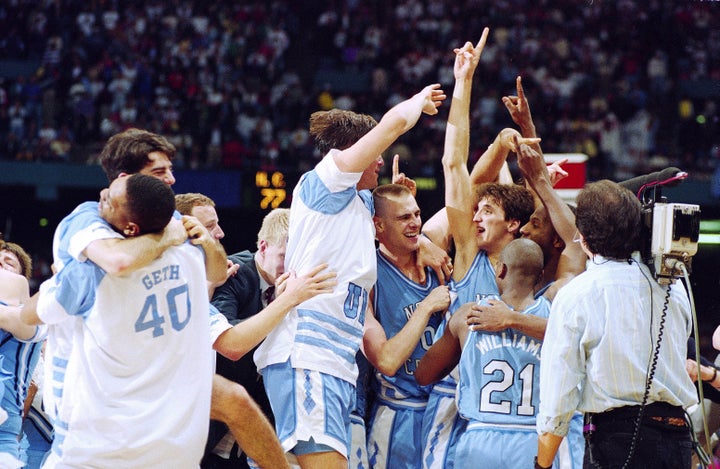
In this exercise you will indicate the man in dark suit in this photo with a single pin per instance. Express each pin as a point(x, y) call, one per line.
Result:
point(242, 296)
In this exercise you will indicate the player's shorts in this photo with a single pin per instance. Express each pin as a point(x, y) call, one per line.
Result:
point(510, 446)
point(441, 428)
point(9, 431)
point(310, 406)
point(497, 447)
point(37, 440)
point(395, 439)
point(358, 449)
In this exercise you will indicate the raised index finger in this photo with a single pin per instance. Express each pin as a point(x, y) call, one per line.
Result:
point(481, 44)
point(395, 166)
point(520, 92)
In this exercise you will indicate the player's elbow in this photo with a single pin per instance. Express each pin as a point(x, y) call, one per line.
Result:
point(449, 161)
point(422, 378)
point(116, 265)
point(229, 348)
point(387, 368)
point(229, 353)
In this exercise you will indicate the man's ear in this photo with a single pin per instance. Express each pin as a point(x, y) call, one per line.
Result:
point(262, 245)
point(379, 227)
point(131, 229)
point(514, 226)
point(502, 271)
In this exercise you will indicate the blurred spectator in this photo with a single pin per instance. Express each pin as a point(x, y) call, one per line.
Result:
point(205, 71)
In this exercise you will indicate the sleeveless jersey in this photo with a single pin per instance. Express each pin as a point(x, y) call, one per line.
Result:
point(396, 297)
point(500, 374)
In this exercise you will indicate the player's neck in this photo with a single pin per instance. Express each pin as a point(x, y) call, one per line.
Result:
point(493, 250)
point(550, 269)
point(406, 262)
point(518, 299)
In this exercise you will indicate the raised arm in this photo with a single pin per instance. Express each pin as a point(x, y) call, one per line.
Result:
point(458, 189)
point(388, 355)
point(572, 259)
point(398, 120)
point(519, 110)
point(492, 165)
point(532, 165)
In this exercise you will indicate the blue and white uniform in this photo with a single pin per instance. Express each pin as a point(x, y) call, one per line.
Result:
point(395, 429)
point(73, 235)
point(17, 362)
point(498, 394)
point(358, 457)
point(331, 222)
point(141, 354)
point(441, 423)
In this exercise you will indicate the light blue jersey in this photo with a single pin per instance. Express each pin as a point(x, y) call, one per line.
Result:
point(498, 396)
point(396, 297)
point(17, 362)
point(395, 431)
point(72, 235)
point(500, 374)
point(441, 423)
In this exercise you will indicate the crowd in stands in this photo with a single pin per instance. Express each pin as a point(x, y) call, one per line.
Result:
point(232, 84)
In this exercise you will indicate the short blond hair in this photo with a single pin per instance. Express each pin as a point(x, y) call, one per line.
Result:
point(274, 228)
point(184, 203)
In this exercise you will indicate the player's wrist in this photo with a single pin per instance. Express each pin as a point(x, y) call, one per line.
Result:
point(538, 466)
point(712, 379)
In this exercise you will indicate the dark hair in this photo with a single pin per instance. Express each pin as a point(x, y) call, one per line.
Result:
point(608, 217)
point(22, 256)
point(151, 202)
point(127, 151)
point(515, 200)
point(338, 128)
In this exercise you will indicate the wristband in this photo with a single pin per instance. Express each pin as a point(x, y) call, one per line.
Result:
point(712, 380)
point(538, 466)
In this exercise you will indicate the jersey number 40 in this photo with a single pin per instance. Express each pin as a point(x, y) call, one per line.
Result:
point(151, 316)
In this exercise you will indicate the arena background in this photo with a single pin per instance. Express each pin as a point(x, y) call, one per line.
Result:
point(635, 85)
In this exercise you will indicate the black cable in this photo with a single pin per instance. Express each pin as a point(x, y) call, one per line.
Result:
point(652, 366)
